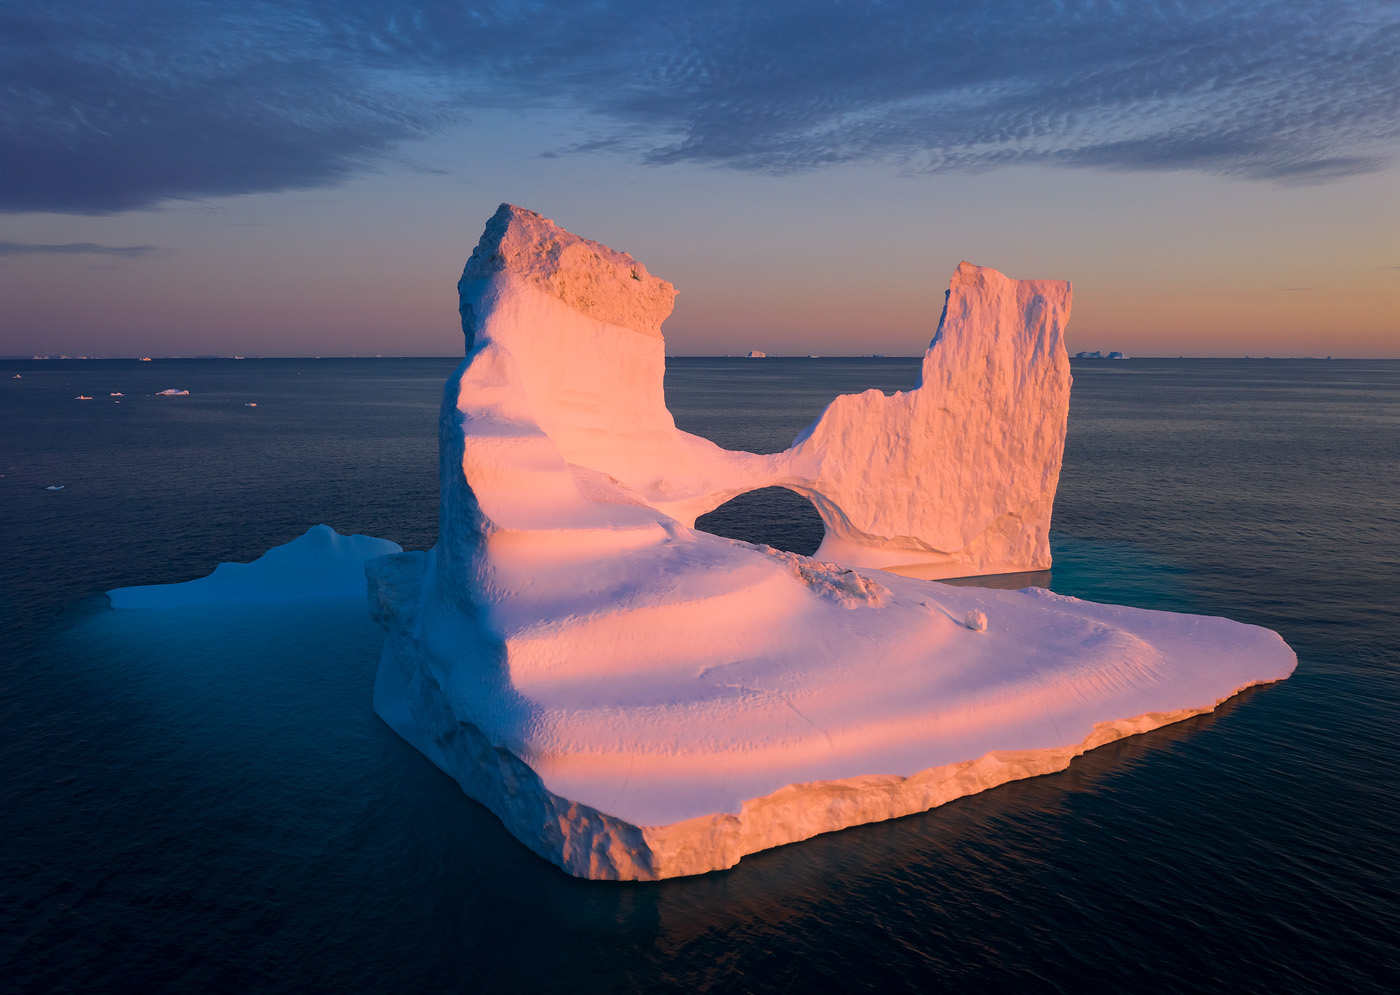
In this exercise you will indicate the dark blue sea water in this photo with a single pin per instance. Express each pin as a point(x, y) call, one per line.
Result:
point(205, 802)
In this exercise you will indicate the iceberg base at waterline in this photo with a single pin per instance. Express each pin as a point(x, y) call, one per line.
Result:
point(636, 699)
point(666, 739)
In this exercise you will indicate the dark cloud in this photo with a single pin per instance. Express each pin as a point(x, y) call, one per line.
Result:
point(107, 110)
point(76, 249)
point(109, 107)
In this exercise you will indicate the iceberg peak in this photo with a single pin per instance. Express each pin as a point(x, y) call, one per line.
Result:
point(588, 276)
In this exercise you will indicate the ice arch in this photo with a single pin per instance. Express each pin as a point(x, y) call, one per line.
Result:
point(560, 407)
point(771, 516)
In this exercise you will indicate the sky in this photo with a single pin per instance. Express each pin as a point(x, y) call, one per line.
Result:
point(308, 177)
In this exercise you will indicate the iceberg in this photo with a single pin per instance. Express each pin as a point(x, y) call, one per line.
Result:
point(636, 699)
point(172, 392)
point(320, 564)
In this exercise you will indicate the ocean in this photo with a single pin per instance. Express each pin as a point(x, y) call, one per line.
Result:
point(206, 803)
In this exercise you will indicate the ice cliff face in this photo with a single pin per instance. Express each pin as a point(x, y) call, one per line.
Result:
point(636, 699)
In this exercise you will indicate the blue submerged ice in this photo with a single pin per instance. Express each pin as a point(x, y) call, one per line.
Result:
point(318, 565)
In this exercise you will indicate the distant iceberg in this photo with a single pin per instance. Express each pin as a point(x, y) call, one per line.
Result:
point(320, 564)
point(172, 392)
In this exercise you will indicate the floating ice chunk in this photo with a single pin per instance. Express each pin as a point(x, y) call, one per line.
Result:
point(756, 354)
point(320, 564)
point(637, 699)
point(250, 404)
point(116, 393)
point(82, 397)
point(54, 487)
point(172, 392)
point(16, 377)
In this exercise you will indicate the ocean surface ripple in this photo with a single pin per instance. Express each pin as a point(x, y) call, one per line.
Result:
point(203, 801)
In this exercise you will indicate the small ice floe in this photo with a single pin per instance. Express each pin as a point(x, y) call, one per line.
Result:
point(145, 359)
point(250, 404)
point(54, 487)
point(976, 620)
point(172, 392)
point(16, 377)
point(116, 394)
point(82, 397)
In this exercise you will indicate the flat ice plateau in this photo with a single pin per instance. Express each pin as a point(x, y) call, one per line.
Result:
point(636, 699)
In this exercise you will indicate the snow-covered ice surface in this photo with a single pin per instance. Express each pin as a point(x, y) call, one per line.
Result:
point(320, 564)
point(636, 699)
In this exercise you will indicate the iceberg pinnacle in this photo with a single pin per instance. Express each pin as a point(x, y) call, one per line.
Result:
point(636, 699)
point(956, 477)
point(589, 277)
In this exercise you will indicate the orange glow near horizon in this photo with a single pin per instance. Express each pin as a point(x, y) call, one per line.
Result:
point(843, 262)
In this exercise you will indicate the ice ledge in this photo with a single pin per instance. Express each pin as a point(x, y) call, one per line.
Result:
point(586, 842)
point(319, 564)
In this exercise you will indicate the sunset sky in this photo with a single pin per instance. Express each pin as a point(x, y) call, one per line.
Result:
point(308, 177)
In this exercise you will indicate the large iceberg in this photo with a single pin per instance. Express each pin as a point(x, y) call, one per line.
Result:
point(636, 699)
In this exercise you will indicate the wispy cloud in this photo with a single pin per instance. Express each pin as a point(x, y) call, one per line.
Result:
point(111, 107)
point(77, 249)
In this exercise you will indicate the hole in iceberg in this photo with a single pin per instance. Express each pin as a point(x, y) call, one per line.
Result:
point(772, 516)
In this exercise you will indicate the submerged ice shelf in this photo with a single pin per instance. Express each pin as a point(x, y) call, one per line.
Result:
point(322, 563)
point(636, 699)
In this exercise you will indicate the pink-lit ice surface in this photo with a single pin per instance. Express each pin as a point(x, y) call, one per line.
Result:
point(636, 699)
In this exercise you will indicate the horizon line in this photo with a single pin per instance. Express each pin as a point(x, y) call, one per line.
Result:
point(807, 356)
